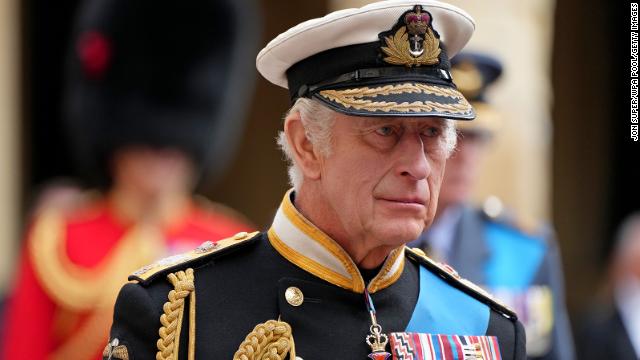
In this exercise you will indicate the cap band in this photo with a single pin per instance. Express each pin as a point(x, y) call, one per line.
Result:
point(375, 73)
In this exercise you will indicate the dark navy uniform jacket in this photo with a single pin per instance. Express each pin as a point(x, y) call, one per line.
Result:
point(243, 282)
point(521, 268)
point(604, 335)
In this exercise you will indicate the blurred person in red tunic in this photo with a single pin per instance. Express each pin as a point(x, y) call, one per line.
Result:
point(151, 100)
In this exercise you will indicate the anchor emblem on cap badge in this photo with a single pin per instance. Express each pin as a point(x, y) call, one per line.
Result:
point(414, 43)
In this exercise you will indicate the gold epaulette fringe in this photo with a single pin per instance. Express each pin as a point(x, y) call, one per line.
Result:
point(168, 344)
point(270, 340)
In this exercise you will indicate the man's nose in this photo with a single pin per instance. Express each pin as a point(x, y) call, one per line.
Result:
point(413, 158)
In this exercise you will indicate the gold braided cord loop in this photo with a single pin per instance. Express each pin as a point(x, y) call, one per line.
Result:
point(171, 320)
point(271, 340)
point(80, 288)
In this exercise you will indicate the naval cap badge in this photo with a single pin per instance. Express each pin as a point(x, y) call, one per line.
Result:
point(414, 41)
point(417, 25)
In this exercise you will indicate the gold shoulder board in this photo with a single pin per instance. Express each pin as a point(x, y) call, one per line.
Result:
point(146, 273)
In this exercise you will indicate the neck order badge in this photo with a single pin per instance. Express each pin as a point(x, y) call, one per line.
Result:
point(377, 340)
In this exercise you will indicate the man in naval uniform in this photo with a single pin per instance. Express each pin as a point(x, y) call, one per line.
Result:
point(367, 138)
point(516, 260)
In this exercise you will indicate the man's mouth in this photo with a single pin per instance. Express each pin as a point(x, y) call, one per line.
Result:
point(411, 200)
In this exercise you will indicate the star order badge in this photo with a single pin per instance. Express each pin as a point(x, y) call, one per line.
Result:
point(414, 43)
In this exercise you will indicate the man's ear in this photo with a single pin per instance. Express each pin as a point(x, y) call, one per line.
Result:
point(307, 158)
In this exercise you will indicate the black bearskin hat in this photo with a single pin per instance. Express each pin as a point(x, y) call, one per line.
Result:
point(161, 73)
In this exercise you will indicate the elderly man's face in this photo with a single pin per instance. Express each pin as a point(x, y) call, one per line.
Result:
point(383, 176)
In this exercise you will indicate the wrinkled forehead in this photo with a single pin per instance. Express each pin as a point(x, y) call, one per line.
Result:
point(404, 121)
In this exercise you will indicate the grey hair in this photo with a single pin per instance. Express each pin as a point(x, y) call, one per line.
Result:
point(318, 121)
point(450, 136)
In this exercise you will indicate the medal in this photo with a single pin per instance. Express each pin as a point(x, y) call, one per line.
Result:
point(376, 339)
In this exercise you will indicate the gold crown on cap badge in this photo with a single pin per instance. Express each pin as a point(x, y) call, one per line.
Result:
point(414, 43)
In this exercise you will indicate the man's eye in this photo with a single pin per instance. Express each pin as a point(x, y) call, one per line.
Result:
point(431, 132)
point(384, 131)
